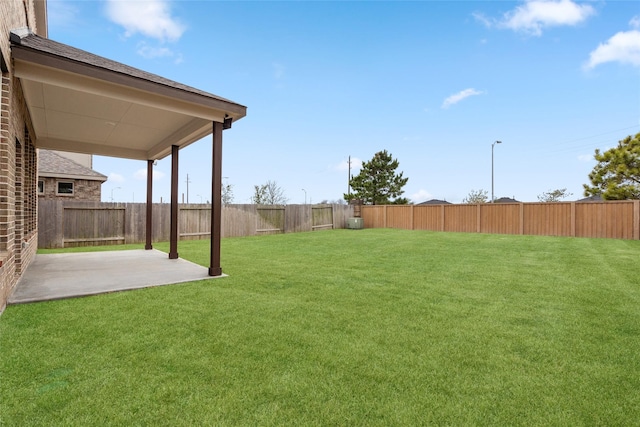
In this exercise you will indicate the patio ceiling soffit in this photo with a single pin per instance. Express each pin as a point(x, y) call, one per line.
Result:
point(85, 103)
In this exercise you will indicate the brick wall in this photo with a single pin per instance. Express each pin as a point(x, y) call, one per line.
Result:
point(83, 189)
point(7, 170)
point(18, 175)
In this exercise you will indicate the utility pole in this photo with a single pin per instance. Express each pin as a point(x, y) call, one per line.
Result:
point(349, 178)
point(492, 145)
point(188, 188)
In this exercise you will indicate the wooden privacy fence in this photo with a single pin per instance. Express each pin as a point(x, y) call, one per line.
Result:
point(611, 219)
point(72, 223)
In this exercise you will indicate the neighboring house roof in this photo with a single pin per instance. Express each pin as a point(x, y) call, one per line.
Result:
point(53, 165)
point(505, 200)
point(596, 198)
point(435, 202)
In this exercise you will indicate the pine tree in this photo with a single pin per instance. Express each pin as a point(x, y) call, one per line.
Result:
point(378, 183)
point(617, 174)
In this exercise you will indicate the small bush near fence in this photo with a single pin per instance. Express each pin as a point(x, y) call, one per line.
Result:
point(71, 223)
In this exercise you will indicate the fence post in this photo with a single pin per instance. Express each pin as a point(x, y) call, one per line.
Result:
point(521, 219)
point(573, 219)
point(441, 217)
point(385, 216)
point(636, 219)
point(125, 223)
point(59, 236)
point(413, 207)
point(478, 218)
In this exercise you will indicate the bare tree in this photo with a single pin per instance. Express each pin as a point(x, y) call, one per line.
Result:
point(554, 196)
point(269, 193)
point(476, 196)
point(333, 202)
point(259, 195)
point(227, 194)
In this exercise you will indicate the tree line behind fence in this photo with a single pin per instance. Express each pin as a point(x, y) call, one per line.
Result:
point(611, 219)
point(72, 223)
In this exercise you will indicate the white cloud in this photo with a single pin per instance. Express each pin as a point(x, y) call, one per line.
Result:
point(635, 22)
point(585, 157)
point(457, 97)
point(421, 196)
point(535, 15)
point(151, 18)
point(141, 174)
point(150, 52)
point(115, 177)
point(623, 47)
point(487, 22)
point(343, 166)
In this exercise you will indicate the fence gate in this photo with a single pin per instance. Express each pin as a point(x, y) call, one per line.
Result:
point(321, 217)
point(88, 226)
point(270, 220)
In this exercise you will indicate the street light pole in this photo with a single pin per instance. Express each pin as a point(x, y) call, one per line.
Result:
point(116, 188)
point(492, 145)
point(305, 196)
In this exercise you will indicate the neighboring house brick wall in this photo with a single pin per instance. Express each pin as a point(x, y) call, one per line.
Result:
point(18, 175)
point(56, 168)
point(83, 189)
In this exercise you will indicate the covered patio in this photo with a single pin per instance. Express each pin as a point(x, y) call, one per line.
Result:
point(70, 275)
point(84, 103)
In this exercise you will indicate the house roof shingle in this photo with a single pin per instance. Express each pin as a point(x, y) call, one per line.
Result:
point(595, 198)
point(27, 39)
point(435, 202)
point(51, 164)
point(83, 103)
point(506, 200)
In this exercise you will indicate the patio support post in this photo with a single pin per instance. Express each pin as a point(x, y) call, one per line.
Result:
point(216, 199)
point(149, 219)
point(173, 235)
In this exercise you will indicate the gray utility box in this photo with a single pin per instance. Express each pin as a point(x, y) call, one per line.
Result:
point(355, 223)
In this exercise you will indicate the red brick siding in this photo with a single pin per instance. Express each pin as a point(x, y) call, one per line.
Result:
point(83, 189)
point(18, 201)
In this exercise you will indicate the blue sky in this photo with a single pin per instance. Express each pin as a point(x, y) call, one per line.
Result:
point(433, 82)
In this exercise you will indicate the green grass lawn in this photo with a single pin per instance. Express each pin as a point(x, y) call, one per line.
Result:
point(344, 327)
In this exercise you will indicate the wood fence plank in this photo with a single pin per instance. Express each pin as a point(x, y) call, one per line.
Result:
point(608, 219)
point(636, 220)
point(74, 223)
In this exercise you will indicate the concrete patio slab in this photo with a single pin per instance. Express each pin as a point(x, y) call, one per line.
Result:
point(56, 276)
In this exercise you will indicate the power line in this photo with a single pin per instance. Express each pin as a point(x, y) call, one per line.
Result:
point(561, 147)
point(600, 134)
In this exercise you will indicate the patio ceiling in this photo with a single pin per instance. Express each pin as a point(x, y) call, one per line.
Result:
point(84, 103)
